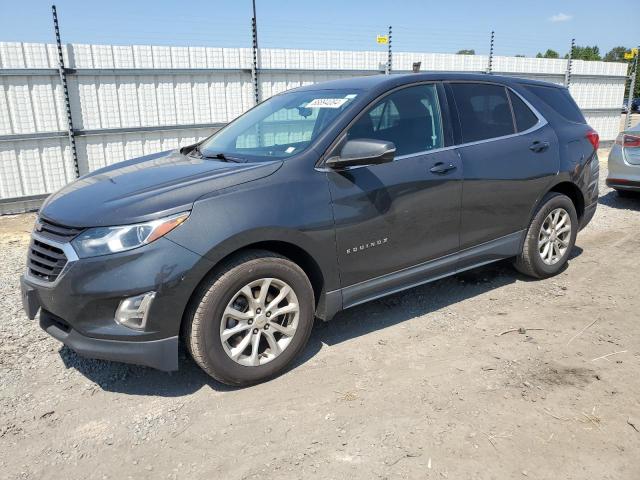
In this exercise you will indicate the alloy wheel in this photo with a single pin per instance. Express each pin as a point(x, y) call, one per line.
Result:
point(554, 236)
point(259, 322)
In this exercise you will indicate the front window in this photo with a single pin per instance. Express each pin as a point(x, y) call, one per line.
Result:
point(281, 126)
point(409, 117)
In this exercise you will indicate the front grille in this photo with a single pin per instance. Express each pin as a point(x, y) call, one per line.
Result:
point(55, 231)
point(45, 261)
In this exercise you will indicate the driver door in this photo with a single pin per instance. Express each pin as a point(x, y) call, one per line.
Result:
point(394, 216)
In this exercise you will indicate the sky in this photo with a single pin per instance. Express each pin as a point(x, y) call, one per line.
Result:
point(521, 27)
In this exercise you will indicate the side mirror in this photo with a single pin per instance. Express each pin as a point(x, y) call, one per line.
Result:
point(363, 151)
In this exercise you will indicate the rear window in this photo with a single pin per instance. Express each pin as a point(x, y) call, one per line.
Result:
point(559, 99)
point(484, 111)
point(525, 118)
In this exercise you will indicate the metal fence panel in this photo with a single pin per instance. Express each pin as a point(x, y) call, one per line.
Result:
point(34, 167)
point(131, 100)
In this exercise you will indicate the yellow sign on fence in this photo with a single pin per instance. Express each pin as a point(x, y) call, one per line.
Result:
point(382, 39)
point(632, 54)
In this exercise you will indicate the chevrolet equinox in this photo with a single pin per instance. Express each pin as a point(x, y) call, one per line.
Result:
point(317, 199)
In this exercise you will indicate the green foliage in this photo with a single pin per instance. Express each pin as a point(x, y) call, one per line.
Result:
point(466, 52)
point(585, 53)
point(616, 54)
point(548, 54)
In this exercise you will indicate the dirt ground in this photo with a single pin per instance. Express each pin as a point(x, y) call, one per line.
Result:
point(421, 384)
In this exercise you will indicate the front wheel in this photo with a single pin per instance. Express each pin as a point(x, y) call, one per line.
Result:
point(550, 237)
point(249, 321)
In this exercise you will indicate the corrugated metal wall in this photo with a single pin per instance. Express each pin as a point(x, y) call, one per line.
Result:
point(131, 100)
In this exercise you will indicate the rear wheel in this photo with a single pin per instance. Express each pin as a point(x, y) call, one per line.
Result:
point(550, 237)
point(250, 320)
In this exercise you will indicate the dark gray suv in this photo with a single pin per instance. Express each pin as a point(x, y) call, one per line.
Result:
point(316, 200)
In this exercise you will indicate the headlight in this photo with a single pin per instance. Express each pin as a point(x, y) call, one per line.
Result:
point(105, 240)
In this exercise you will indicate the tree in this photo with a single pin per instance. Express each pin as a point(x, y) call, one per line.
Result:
point(466, 52)
point(548, 54)
point(585, 53)
point(519, 55)
point(616, 54)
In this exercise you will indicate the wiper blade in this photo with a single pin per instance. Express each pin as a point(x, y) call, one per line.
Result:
point(195, 151)
point(223, 157)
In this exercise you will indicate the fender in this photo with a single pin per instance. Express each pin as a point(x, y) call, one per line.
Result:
point(291, 244)
point(298, 213)
point(558, 185)
point(579, 175)
point(284, 236)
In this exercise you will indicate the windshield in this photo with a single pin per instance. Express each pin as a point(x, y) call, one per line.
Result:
point(280, 127)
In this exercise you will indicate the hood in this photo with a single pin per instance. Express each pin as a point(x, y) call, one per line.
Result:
point(145, 188)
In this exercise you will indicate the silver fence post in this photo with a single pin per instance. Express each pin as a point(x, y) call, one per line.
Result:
point(490, 66)
point(63, 80)
point(254, 66)
point(567, 75)
point(632, 88)
point(389, 58)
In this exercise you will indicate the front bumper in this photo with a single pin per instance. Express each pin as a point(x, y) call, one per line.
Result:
point(79, 308)
point(161, 354)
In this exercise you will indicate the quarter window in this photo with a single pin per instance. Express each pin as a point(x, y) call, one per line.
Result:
point(483, 110)
point(560, 100)
point(410, 118)
point(525, 118)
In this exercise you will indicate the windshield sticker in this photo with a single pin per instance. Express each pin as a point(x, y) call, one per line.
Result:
point(326, 102)
point(351, 96)
point(290, 149)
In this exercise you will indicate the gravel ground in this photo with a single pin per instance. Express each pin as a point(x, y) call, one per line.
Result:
point(417, 385)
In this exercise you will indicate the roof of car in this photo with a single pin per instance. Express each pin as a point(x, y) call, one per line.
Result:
point(368, 82)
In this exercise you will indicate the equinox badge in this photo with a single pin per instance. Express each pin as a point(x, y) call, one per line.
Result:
point(365, 246)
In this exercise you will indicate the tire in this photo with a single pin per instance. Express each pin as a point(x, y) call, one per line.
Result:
point(531, 262)
point(204, 326)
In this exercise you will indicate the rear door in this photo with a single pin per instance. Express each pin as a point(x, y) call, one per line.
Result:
point(509, 154)
point(396, 215)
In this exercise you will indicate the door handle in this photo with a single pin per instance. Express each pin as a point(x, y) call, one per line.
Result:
point(440, 168)
point(538, 146)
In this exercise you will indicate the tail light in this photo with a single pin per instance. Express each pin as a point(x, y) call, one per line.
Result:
point(594, 139)
point(628, 141)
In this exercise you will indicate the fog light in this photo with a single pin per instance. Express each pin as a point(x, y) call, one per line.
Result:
point(132, 312)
